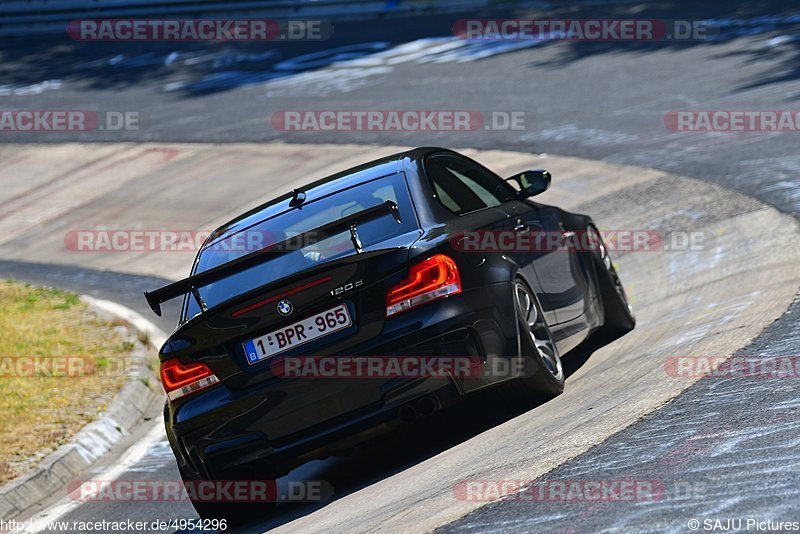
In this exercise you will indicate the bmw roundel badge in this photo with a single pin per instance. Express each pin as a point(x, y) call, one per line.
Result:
point(285, 307)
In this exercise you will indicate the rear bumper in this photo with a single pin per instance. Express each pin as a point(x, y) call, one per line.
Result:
point(242, 456)
point(280, 424)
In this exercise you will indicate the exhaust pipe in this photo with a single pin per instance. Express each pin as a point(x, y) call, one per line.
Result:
point(427, 405)
point(406, 413)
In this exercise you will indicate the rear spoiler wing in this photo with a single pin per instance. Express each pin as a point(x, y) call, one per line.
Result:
point(193, 283)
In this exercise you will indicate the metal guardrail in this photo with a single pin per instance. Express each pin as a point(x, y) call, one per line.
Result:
point(38, 17)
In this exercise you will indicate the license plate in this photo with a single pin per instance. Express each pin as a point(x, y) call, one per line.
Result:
point(298, 333)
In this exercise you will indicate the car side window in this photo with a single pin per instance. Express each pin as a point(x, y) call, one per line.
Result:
point(463, 186)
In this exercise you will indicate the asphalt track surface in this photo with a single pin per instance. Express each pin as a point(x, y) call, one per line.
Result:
point(604, 101)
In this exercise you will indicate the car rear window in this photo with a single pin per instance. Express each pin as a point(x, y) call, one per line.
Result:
point(309, 251)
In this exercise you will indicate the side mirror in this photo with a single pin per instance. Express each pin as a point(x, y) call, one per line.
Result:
point(531, 182)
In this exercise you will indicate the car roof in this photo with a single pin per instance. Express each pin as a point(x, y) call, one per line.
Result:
point(335, 182)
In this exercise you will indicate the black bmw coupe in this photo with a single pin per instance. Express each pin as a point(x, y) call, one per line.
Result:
point(420, 256)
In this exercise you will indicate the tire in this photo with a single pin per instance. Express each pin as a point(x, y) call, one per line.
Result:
point(618, 315)
point(544, 374)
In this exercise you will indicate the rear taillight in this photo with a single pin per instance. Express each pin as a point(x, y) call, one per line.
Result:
point(431, 279)
point(181, 379)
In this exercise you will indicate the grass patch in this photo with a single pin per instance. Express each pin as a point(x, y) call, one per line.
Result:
point(42, 407)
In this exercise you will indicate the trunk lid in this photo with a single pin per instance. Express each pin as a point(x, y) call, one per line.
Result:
point(219, 336)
